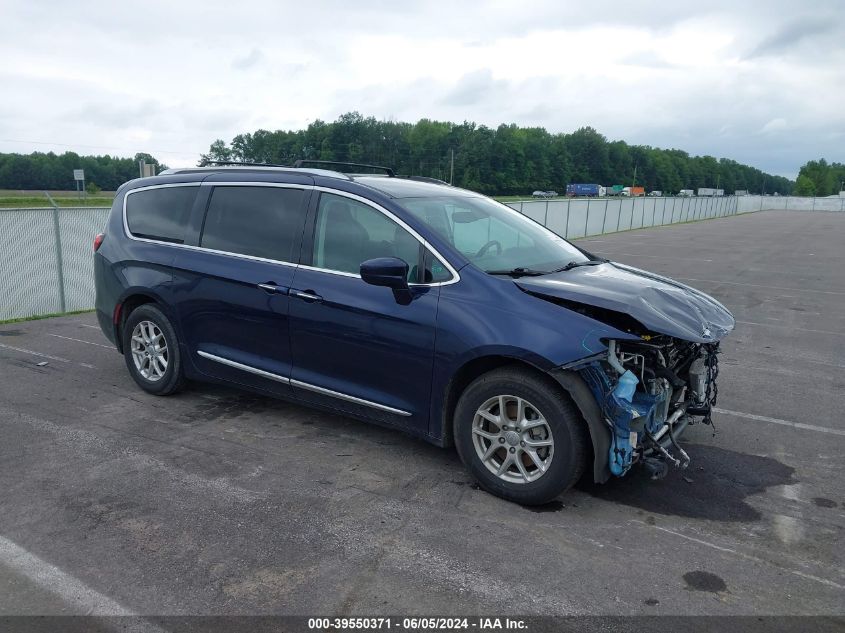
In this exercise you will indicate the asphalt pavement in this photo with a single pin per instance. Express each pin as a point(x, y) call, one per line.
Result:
point(217, 501)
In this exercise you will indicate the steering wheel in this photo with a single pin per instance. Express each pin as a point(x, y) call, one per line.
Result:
point(483, 250)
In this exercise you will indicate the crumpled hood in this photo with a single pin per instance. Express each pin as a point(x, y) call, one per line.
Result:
point(660, 304)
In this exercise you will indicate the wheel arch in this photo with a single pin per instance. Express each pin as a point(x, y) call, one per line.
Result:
point(570, 382)
point(599, 433)
point(129, 301)
point(464, 376)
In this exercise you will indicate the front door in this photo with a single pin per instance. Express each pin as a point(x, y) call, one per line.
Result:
point(356, 347)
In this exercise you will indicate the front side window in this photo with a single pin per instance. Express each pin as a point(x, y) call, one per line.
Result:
point(349, 232)
point(258, 221)
point(493, 236)
point(160, 214)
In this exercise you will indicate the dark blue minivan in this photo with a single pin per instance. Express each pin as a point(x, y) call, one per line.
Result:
point(412, 304)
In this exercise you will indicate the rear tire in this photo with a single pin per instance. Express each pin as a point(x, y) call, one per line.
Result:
point(151, 351)
point(533, 454)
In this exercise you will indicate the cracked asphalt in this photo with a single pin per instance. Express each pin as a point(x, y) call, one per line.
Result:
point(216, 501)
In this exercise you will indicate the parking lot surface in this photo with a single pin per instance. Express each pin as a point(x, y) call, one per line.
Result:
point(217, 501)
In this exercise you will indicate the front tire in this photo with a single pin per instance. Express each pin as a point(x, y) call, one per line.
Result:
point(151, 351)
point(532, 453)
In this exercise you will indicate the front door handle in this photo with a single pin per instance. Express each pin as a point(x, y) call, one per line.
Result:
point(271, 287)
point(308, 295)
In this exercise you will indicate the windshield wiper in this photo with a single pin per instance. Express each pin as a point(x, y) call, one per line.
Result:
point(530, 272)
point(589, 262)
point(518, 272)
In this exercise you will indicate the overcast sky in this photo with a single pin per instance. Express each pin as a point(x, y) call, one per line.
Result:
point(763, 83)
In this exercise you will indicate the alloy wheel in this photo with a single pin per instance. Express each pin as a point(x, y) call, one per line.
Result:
point(512, 439)
point(149, 350)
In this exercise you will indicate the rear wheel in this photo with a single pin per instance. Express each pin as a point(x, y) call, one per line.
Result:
point(151, 351)
point(520, 435)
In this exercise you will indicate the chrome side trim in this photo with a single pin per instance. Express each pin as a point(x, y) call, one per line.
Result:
point(299, 383)
point(342, 273)
point(343, 396)
point(249, 368)
point(455, 276)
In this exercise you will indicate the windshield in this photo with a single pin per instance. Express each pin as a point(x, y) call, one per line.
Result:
point(493, 236)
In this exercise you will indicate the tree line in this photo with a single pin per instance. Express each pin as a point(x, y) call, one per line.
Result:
point(820, 178)
point(507, 160)
point(40, 170)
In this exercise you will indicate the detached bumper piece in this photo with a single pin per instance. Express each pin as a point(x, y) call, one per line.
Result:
point(649, 392)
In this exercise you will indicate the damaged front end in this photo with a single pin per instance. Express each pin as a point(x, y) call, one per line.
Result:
point(644, 388)
point(648, 391)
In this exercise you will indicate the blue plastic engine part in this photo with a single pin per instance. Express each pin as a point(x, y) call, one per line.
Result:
point(630, 411)
point(626, 386)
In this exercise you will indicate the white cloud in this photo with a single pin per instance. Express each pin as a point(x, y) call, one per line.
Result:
point(775, 125)
point(170, 78)
point(254, 57)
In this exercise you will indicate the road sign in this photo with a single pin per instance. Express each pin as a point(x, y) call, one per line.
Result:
point(79, 174)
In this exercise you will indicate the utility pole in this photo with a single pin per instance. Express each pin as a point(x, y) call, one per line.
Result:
point(634, 184)
point(452, 166)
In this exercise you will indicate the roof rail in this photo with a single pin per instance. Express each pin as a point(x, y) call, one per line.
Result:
point(241, 163)
point(332, 163)
point(435, 181)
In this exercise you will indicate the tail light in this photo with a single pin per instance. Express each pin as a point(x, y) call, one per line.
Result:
point(98, 241)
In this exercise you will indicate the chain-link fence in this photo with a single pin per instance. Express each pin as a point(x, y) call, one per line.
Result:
point(47, 264)
point(581, 217)
point(791, 203)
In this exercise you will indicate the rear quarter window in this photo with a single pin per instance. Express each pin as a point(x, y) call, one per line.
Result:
point(264, 222)
point(160, 214)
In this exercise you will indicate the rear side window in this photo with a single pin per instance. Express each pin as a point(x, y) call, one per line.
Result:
point(259, 221)
point(160, 214)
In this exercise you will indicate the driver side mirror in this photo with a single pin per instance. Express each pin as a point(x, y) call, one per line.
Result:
point(390, 272)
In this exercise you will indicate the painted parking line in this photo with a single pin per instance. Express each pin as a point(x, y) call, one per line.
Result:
point(802, 329)
point(686, 259)
point(738, 283)
point(93, 327)
point(79, 596)
point(733, 552)
point(79, 340)
point(34, 353)
point(765, 418)
point(59, 359)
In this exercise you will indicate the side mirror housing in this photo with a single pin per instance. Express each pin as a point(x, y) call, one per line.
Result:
point(390, 272)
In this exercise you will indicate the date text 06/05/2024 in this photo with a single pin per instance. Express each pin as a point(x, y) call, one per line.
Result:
point(417, 623)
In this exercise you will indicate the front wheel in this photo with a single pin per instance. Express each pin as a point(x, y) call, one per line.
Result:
point(520, 435)
point(151, 350)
